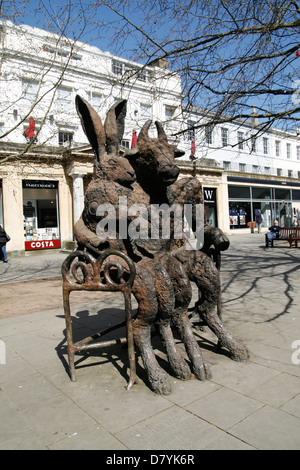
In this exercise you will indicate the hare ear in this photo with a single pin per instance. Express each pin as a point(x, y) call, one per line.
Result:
point(114, 126)
point(93, 128)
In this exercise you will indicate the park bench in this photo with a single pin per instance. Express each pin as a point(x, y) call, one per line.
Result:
point(289, 234)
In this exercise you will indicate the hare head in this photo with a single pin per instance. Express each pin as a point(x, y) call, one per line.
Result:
point(105, 139)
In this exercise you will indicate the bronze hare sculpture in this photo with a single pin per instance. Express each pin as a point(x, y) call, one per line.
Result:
point(164, 268)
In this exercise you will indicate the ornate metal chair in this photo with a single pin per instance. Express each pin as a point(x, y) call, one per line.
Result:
point(81, 271)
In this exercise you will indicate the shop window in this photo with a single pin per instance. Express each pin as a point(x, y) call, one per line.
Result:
point(65, 137)
point(261, 193)
point(239, 214)
point(282, 194)
point(40, 213)
point(46, 213)
point(239, 192)
point(296, 194)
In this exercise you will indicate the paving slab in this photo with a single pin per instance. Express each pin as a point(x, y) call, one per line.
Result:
point(252, 405)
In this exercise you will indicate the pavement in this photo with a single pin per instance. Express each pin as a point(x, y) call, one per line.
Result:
point(245, 406)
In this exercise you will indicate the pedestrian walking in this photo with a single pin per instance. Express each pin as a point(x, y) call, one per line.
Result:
point(259, 218)
point(4, 238)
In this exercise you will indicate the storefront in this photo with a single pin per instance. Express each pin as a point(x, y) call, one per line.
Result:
point(41, 215)
point(210, 206)
point(276, 200)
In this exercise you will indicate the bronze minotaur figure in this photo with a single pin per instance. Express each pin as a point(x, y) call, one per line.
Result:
point(135, 204)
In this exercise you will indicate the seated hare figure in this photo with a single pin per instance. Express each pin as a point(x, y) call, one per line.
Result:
point(153, 286)
point(153, 160)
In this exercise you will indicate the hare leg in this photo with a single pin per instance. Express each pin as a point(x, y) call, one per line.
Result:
point(144, 291)
point(201, 270)
point(183, 295)
point(166, 305)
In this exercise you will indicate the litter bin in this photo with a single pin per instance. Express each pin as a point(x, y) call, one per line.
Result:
point(251, 225)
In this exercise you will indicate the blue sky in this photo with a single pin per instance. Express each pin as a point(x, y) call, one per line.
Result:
point(53, 15)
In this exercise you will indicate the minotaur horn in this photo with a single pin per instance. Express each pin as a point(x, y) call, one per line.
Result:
point(144, 131)
point(114, 126)
point(160, 131)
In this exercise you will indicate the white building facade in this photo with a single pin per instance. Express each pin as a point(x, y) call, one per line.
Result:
point(262, 168)
point(42, 189)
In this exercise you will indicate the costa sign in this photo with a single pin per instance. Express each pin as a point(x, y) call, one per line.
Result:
point(42, 244)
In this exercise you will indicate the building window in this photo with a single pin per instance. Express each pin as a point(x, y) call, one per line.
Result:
point(253, 144)
point(208, 135)
point(224, 136)
point(191, 131)
point(279, 172)
point(95, 100)
point(169, 113)
point(145, 112)
point(267, 170)
point(266, 145)
point(288, 150)
point(125, 144)
point(65, 137)
point(290, 173)
point(29, 92)
point(277, 148)
point(240, 136)
point(227, 166)
point(64, 99)
point(298, 174)
point(242, 167)
point(117, 67)
point(255, 168)
point(142, 75)
point(298, 152)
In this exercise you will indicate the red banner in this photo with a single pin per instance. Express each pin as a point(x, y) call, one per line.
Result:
point(42, 244)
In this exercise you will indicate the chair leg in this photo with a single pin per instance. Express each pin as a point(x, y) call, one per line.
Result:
point(71, 350)
point(130, 341)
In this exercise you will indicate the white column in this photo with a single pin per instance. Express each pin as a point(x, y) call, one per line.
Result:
point(78, 195)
